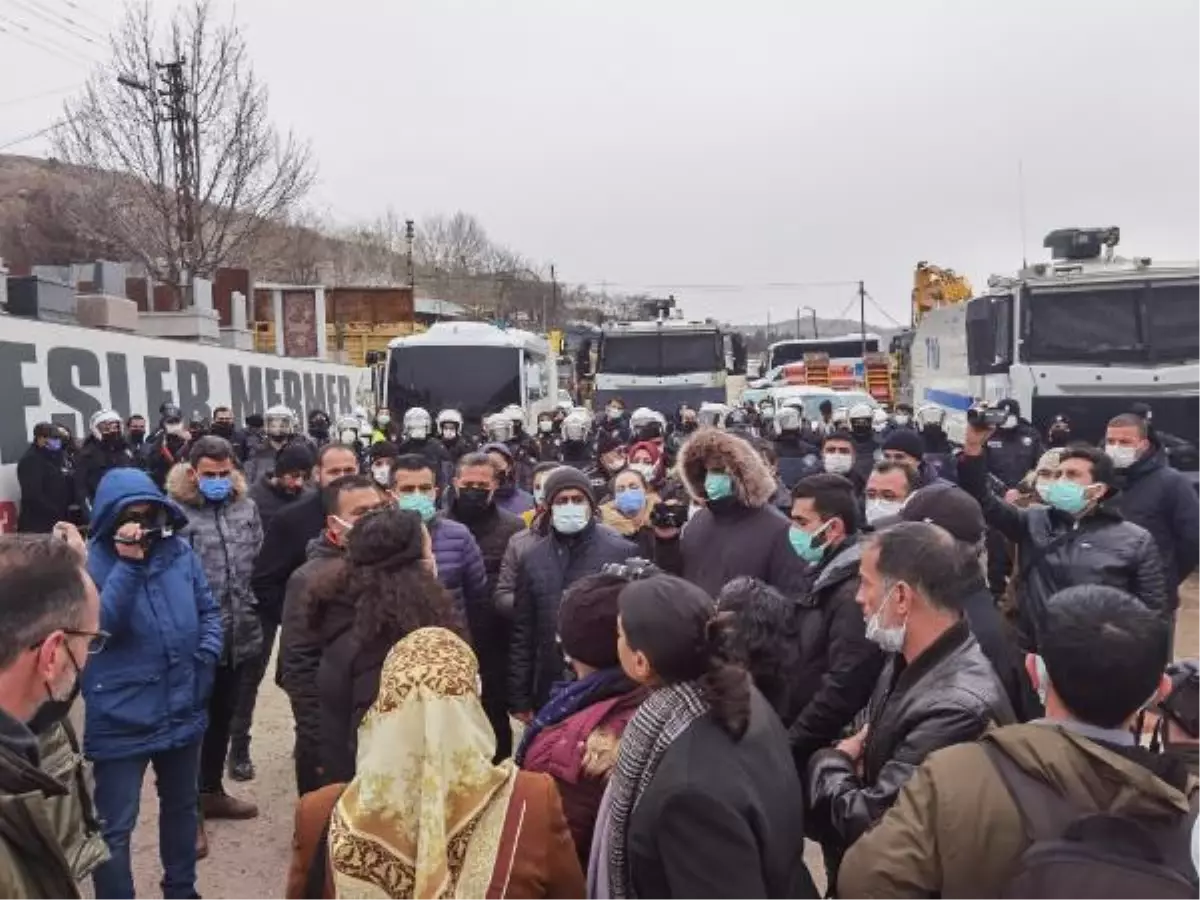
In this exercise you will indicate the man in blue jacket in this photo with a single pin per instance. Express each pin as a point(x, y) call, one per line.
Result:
point(147, 694)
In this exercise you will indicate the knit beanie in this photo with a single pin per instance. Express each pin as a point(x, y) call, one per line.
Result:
point(565, 477)
point(587, 621)
point(906, 441)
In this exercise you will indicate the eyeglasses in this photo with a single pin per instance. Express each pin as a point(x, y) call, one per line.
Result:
point(97, 640)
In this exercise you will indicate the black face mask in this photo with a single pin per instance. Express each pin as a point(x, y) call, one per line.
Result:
point(471, 503)
point(55, 710)
point(319, 431)
point(112, 440)
point(861, 430)
point(223, 429)
point(137, 437)
point(1060, 437)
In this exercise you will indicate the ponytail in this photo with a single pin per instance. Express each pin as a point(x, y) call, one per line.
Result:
point(725, 685)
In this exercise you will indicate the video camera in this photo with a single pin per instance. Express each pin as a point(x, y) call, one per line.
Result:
point(983, 416)
point(633, 569)
point(669, 515)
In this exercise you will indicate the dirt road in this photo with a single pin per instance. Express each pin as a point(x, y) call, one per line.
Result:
point(250, 859)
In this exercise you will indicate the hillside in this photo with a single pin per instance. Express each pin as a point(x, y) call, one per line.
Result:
point(757, 338)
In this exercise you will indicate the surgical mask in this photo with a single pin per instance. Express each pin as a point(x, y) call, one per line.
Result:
point(646, 470)
point(54, 444)
point(570, 518)
point(889, 640)
point(215, 490)
point(1009, 423)
point(539, 495)
point(382, 475)
point(901, 419)
point(804, 543)
point(1122, 457)
point(880, 509)
point(1042, 487)
point(837, 463)
point(348, 436)
point(614, 412)
point(418, 503)
point(545, 426)
point(449, 432)
point(718, 485)
point(417, 432)
point(383, 421)
point(1067, 496)
point(630, 502)
point(471, 503)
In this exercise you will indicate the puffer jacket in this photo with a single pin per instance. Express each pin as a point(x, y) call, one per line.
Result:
point(33, 859)
point(948, 695)
point(837, 667)
point(1058, 551)
point(148, 691)
point(955, 830)
point(743, 534)
point(73, 815)
point(460, 567)
point(551, 565)
point(226, 537)
point(504, 596)
point(1162, 501)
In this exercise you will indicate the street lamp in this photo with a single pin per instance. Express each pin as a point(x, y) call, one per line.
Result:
point(133, 84)
point(809, 309)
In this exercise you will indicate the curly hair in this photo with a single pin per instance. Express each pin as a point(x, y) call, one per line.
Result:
point(759, 631)
point(384, 577)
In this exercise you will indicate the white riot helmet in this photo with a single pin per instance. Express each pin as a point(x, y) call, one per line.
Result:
point(516, 415)
point(565, 406)
point(641, 416)
point(498, 427)
point(931, 415)
point(879, 419)
point(787, 419)
point(417, 424)
point(582, 412)
point(575, 427)
point(104, 417)
point(450, 423)
point(712, 415)
point(841, 416)
point(279, 421)
point(348, 429)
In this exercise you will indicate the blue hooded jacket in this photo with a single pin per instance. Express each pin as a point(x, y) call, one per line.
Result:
point(148, 690)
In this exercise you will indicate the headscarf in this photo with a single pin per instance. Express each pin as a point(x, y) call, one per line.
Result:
point(424, 814)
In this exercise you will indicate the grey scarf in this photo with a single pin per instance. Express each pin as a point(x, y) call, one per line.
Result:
point(662, 717)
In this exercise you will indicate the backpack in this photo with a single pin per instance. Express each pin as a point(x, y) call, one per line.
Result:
point(1077, 852)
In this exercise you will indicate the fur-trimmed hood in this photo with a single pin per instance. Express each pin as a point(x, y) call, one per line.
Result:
point(709, 448)
point(182, 488)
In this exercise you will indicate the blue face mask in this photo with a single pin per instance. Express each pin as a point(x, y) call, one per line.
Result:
point(54, 444)
point(1068, 496)
point(718, 485)
point(630, 502)
point(570, 518)
point(215, 490)
point(802, 543)
point(418, 503)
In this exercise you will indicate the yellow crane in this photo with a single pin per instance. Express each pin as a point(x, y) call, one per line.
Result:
point(935, 287)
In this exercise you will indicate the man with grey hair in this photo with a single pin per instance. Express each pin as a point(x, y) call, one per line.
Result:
point(49, 625)
point(936, 689)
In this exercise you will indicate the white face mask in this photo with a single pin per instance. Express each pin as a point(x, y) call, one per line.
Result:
point(838, 463)
point(889, 640)
point(382, 474)
point(348, 436)
point(646, 470)
point(880, 509)
point(901, 419)
point(545, 426)
point(449, 432)
point(416, 432)
point(1009, 423)
point(1122, 457)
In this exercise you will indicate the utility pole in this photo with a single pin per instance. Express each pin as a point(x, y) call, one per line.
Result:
point(797, 321)
point(814, 321)
point(862, 316)
point(768, 326)
point(553, 298)
point(175, 96)
point(409, 235)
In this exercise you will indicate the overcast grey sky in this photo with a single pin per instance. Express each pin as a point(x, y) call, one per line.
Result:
point(687, 142)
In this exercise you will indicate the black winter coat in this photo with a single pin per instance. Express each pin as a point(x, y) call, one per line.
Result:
point(301, 644)
point(1162, 501)
point(94, 461)
point(721, 818)
point(998, 645)
point(161, 454)
point(1056, 551)
point(865, 448)
point(284, 550)
point(347, 685)
point(545, 570)
point(837, 666)
point(718, 547)
point(47, 490)
point(1012, 453)
point(270, 499)
point(948, 695)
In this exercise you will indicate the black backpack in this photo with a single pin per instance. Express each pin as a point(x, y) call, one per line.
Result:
point(1076, 852)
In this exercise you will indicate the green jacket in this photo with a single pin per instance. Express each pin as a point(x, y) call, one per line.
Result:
point(34, 810)
point(73, 816)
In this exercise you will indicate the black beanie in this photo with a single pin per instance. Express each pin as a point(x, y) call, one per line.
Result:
point(906, 441)
point(295, 457)
point(567, 477)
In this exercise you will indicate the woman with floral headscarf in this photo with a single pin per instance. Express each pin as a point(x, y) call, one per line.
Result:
point(428, 815)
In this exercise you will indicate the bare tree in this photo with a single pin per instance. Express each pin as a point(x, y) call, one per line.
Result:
point(457, 244)
point(243, 177)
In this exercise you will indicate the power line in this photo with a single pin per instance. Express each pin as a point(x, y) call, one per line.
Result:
point(6, 27)
point(15, 100)
point(41, 4)
point(21, 31)
point(29, 137)
point(57, 22)
point(83, 9)
point(883, 312)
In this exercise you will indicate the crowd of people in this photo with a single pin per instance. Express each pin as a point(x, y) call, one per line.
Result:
point(620, 655)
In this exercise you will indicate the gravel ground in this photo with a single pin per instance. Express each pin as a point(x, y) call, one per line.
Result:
point(250, 859)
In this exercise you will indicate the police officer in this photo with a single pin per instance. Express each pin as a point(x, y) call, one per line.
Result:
point(450, 432)
point(416, 437)
point(576, 449)
point(1015, 447)
point(866, 443)
point(939, 449)
point(798, 457)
